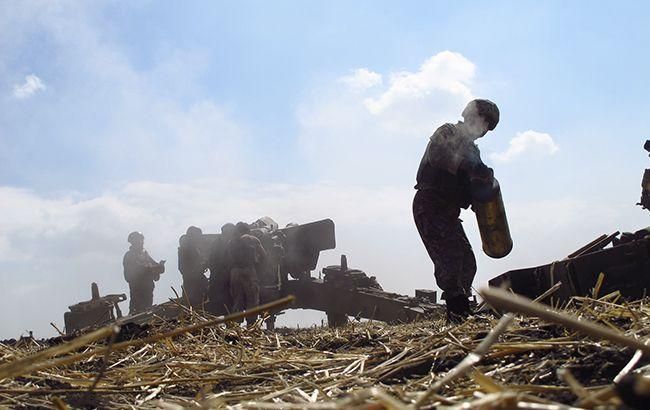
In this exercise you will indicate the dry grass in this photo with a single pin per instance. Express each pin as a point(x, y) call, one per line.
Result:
point(486, 362)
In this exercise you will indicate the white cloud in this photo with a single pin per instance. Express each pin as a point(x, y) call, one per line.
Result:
point(377, 135)
point(31, 86)
point(124, 121)
point(362, 78)
point(54, 247)
point(527, 143)
point(446, 72)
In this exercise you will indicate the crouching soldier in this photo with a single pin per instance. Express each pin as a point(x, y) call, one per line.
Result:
point(245, 252)
point(140, 271)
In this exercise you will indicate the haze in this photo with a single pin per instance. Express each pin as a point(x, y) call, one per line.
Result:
point(153, 116)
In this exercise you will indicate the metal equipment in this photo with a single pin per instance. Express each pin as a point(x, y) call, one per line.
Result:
point(626, 268)
point(347, 292)
point(293, 255)
point(96, 311)
point(342, 292)
point(625, 265)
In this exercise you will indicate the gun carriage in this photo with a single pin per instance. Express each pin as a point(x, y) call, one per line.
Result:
point(293, 251)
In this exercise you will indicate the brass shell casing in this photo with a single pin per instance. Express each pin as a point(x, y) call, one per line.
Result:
point(492, 223)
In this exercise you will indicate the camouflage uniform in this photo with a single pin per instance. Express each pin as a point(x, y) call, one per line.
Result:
point(245, 253)
point(140, 271)
point(244, 288)
point(443, 187)
point(195, 284)
point(446, 242)
point(219, 299)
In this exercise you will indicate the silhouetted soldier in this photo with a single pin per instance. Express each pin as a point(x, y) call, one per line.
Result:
point(140, 271)
point(449, 165)
point(245, 251)
point(194, 264)
point(220, 301)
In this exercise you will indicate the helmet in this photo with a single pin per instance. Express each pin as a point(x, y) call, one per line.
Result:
point(228, 228)
point(133, 236)
point(242, 228)
point(194, 231)
point(485, 109)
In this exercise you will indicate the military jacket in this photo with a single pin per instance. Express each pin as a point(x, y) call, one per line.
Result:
point(139, 267)
point(246, 251)
point(445, 169)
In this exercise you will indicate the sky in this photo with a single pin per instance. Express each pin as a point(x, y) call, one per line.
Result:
point(118, 116)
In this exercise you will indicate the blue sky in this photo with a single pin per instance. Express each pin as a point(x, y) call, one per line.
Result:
point(117, 116)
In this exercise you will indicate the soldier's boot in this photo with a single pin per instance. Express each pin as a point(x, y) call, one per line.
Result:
point(458, 309)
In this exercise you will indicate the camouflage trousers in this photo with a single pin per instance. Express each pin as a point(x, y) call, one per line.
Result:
point(219, 299)
point(140, 297)
point(195, 288)
point(244, 290)
point(446, 242)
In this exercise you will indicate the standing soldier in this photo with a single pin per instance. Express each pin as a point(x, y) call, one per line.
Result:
point(246, 252)
point(193, 264)
point(450, 164)
point(219, 300)
point(140, 271)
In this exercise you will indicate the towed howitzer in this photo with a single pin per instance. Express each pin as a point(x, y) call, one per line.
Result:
point(293, 254)
point(96, 311)
point(293, 251)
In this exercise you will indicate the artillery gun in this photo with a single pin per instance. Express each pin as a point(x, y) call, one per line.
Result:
point(293, 255)
point(341, 292)
point(625, 265)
